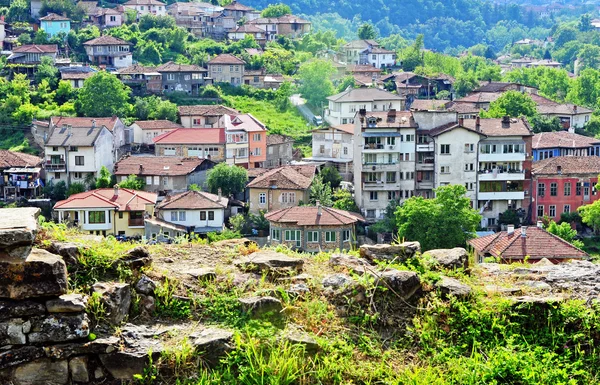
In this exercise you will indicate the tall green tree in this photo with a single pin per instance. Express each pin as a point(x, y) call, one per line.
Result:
point(512, 103)
point(276, 10)
point(412, 56)
point(18, 11)
point(446, 221)
point(343, 200)
point(367, 31)
point(133, 182)
point(103, 95)
point(46, 70)
point(104, 178)
point(332, 176)
point(565, 232)
point(321, 192)
point(590, 215)
point(230, 179)
point(315, 81)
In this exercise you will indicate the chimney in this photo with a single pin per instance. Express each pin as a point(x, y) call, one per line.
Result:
point(559, 169)
point(93, 123)
point(219, 193)
point(116, 190)
point(273, 183)
point(510, 229)
point(461, 122)
point(574, 109)
point(540, 224)
point(319, 208)
point(141, 169)
point(524, 231)
point(477, 124)
point(506, 121)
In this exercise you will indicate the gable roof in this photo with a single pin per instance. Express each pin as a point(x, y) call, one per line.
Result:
point(274, 139)
point(496, 87)
point(286, 177)
point(235, 6)
point(246, 122)
point(247, 28)
point(107, 40)
point(226, 58)
point(77, 136)
point(569, 165)
point(192, 136)
point(309, 216)
point(109, 123)
point(547, 106)
point(126, 200)
point(76, 75)
point(36, 48)
point(54, 17)
point(10, 159)
point(174, 67)
point(562, 139)
point(362, 68)
point(537, 244)
point(157, 165)
point(143, 2)
point(136, 69)
point(363, 95)
point(493, 127)
point(450, 127)
point(157, 125)
point(206, 110)
point(193, 200)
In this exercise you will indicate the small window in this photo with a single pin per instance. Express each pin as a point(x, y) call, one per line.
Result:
point(275, 234)
point(540, 211)
point(120, 215)
point(262, 198)
point(330, 236)
point(312, 236)
point(373, 195)
point(148, 180)
point(182, 216)
point(552, 211)
point(553, 189)
point(96, 217)
point(445, 149)
point(567, 209)
point(202, 215)
point(79, 161)
point(346, 235)
point(54, 148)
point(541, 189)
point(173, 216)
point(73, 149)
point(445, 169)
point(211, 215)
point(568, 189)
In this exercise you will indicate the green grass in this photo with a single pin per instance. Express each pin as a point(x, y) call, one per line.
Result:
point(17, 142)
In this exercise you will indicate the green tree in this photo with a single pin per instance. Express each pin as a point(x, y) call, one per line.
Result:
point(104, 178)
point(18, 11)
point(75, 188)
point(412, 56)
point(332, 176)
point(589, 56)
point(565, 232)
point(321, 192)
point(444, 222)
point(590, 215)
point(343, 200)
point(46, 70)
point(133, 182)
point(65, 92)
point(545, 124)
point(315, 81)
point(585, 23)
point(276, 10)
point(103, 95)
point(366, 31)
point(512, 103)
point(230, 179)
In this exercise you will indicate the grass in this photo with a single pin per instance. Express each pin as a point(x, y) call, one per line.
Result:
point(17, 142)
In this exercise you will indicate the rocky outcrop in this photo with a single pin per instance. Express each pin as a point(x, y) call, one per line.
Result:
point(449, 259)
point(18, 228)
point(270, 262)
point(388, 253)
point(261, 305)
point(453, 287)
point(69, 251)
point(145, 285)
point(116, 298)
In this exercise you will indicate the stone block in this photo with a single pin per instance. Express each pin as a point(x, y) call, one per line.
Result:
point(19, 355)
point(15, 309)
point(450, 259)
point(18, 228)
point(116, 297)
point(78, 367)
point(67, 303)
point(42, 371)
point(260, 305)
point(269, 262)
point(59, 328)
point(12, 332)
point(388, 253)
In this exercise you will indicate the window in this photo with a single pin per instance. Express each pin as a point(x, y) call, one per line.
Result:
point(256, 137)
point(57, 175)
point(553, 189)
point(345, 150)
point(445, 149)
point(469, 186)
point(97, 217)
point(552, 211)
point(330, 236)
point(373, 195)
point(312, 236)
point(469, 147)
point(541, 189)
point(211, 215)
point(275, 234)
point(390, 177)
point(392, 195)
point(73, 149)
point(411, 138)
point(568, 189)
point(79, 161)
point(166, 234)
point(202, 215)
point(170, 76)
point(78, 175)
point(113, 18)
point(391, 141)
point(577, 189)
point(257, 151)
point(148, 180)
point(292, 235)
point(567, 209)
point(165, 180)
point(173, 216)
point(182, 216)
point(54, 148)
point(445, 169)
point(469, 167)
point(540, 211)
point(262, 198)
point(346, 235)
point(120, 215)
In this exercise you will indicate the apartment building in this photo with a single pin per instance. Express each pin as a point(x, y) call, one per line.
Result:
point(227, 68)
point(344, 106)
point(334, 146)
point(246, 144)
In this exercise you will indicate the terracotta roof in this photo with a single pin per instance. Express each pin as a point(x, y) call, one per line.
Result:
point(144, 2)
point(127, 200)
point(136, 69)
point(193, 200)
point(347, 128)
point(496, 87)
point(174, 67)
point(493, 127)
point(107, 40)
point(192, 136)
point(546, 106)
point(449, 127)
point(562, 139)
point(107, 11)
point(362, 68)
point(10, 159)
point(157, 125)
point(246, 122)
point(226, 59)
point(59, 121)
point(285, 19)
point(429, 105)
point(479, 97)
point(309, 216)
point(235, 6)
point(361, 43)
point(286, 177)
point(464, 108)
point(247, 28)
point(391, 119)
point(379, 50)
point(275, 139)
point(363, 95)
point(36, 48)
point(537, 244)
point(568, 165)
point(157, 165)
point(76, 75)
point(54, 17)
point(206, 110)
point(79, 136)
point(254, 172)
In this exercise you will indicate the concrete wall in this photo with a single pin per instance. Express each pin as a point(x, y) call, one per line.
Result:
point(274, 199)
point(225, 73)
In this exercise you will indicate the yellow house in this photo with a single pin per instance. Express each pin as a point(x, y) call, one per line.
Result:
point(281, 187)
point(107, 211)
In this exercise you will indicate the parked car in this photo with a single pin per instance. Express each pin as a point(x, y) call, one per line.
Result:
point(318, 120)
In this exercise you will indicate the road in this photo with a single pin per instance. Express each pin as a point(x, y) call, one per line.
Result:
point(300, 103)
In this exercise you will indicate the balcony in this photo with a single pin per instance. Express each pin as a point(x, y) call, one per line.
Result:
point(500, 157)
point(501, 195)
point(380, 166)
point(424, 166)
point(56, 167)
point(378, 147)
point(380, 186)
point(425, 185)
point(501, 175)
point(136, 222)
point(425, 147)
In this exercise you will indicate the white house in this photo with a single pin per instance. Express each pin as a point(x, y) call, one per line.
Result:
point(368, 52)
point(144, 131)
point(109, 51)
point(343, 106)
point(334, 145)
point(145, 7)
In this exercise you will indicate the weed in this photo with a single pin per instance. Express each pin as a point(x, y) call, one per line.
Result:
point(167, 304)
point(96, 308)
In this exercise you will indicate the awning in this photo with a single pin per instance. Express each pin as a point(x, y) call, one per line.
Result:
point(379, 134)
point(24, 170)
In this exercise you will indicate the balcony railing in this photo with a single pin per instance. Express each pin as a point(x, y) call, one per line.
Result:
point(136, 222)
point(374, 146)
point(55, 166)
point(501, 171)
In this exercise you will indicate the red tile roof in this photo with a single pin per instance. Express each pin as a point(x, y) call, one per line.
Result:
point(174, 67)
point(54, 17)
point(246, 122)
point(136, 69)
point(193, 200)
point(59, 121)
point(309, 216)
point(362, 68)
point(537, 244)
point(157, 125)
point(286, 177)
point(235, 6)
point(127, 200)
point(36, 48)
point(157, 165)
point(569, 165)
point(226, 59)
point(192, 136)
point(493, 127)
point(10, 159)
point(143, 2)
point(206, 110)
point(107, 40)
point(347, 128)
point(562, 139)
point(76, 75)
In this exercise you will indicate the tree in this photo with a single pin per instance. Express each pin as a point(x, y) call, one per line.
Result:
point(332, 176)
point(509, 217)
point(545, 124)
point(512, 103)
point(565, 232)
point(443, 222)
point(585, 23)
point(590, 215)
point(276, 10)
point(589, 56)
point(321, 192)
point(366, 32)
point(315, 81)
point(104, 178)
point(103, 95)
point(65, 92)
point(230, 179)
point(343, 200)
point(133, 182)
point(75, 188)
point(412, 57)
point(18, 11)
point(46, 70)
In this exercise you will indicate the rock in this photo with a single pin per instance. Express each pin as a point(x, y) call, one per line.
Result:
point(70, 251)
point(356, 265)
point(147, 303)
point(18, 228)
point(116, 297)
point(203, 274)
point(301, 338)
point(145, 285)
point(167, 260)
point(450, 286)
point(15, 309)
point(17, 356)
point(244, 280)
point(337, 281)
point(260, 305)
point(544, 262)
point(212, 343)
point(101, 345)
point(298, 289)
point(59, 328)
point(503, 290)
point(300, 278)
point(136, 258)
point(42, 371)
point(382, 252)
point(538, 300)
point(269, 262)
point(13, 332)
point(78, 369)
point(232, 242)
point(450, 259)
point(67, 303)
point(123, 365)
point(403, 283)
point(99, 373)
point(536, 285)
point(41, 275)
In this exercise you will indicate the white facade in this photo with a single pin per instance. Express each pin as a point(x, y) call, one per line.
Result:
point(381, 60)
point(146, 136)
point(145, 9)
point(343, 112)
point(2, 33)
point(211, 218)
point(332, 145)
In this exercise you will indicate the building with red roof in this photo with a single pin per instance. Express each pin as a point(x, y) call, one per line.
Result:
point(206, 143)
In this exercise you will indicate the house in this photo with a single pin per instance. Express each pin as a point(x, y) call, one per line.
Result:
point(31, 54)
point(279, 150)
point(144, 131)
point(344, 106)
point(384, 163)
point(76, 75)
point(73, 153)
point(117, 211)
point(164, 174)
point(526, 243)
point(193, 16)
point(334, 145)
point(187, 142)
point(546, 63)
point(239, 11)
point(219, 25)
point(570, 115)
point(54, 24)
point(255, 78)
point(287, 25)
point(564, 183)
point(2, 33)
point(20, 175)
point(109, 51)
point(226, 68)
point(368, 52)
point(198, 211)
point(246, 141)
point(281, 187)
point(563, 143)
point(204, 116)
point(242, 31)
point(146, 7)
point(313, 228)
point(107, 17)
point(141, 79)
point(414, 86)
point(364, 70)
point(187, 78)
